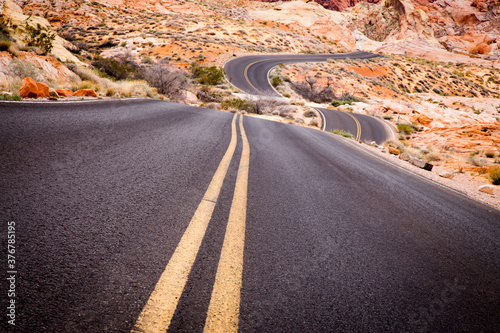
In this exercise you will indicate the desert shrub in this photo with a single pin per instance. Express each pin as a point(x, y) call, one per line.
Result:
point(23, 69)
point(14, 97)
point(39, 37)
point(489, 154)
point(276, 81)
point(433, 156)
point(206, 94)
point(345, 134)
point(314, 123)
point(494, 173)
point(309, 114)
point(167, 79)
point(268, 106)
point(81, 46)
point(5, 45)
point(395, 144)
point(120, 70)
point(133, 88)
point(309, 89)
point(110, 92)
point(479, 162)
point(147, 60)
point(344, 99)
point(405, 128)
point(239, 104)
point(208, 75)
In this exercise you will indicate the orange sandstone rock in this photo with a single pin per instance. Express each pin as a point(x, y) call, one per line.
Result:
point(43, 89)
point(64, 92)
point(85, 92)
point(29, 88)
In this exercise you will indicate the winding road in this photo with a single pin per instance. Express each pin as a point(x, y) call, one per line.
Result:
point(250, 74)
point(149, 216)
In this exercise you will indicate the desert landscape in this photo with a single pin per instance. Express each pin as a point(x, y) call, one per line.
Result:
point(438, 82)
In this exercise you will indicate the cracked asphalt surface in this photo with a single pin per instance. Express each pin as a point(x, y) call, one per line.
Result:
point(337, 240)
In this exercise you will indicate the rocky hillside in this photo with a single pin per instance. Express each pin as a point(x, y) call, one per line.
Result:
point(338, 5)
point(439, 81)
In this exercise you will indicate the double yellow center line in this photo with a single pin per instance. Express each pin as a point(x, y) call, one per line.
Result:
point(224, 306)
point(358, 127)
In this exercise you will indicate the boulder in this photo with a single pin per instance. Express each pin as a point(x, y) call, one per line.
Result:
point(29, 88)
point(446, 174)
point(405, 157)
point(486, 189)
point(64, 92)
point(421, 164)
point(85, 92)
point(43, 89)
point(32, 89)
point(394, 151)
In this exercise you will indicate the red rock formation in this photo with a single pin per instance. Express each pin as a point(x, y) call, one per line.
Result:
point(338, 5)
point(85, 92)
point(341, 5)
point(43, 89)
point(32, 89)
point(28, 88)
point(485, 5)
point(64, 92)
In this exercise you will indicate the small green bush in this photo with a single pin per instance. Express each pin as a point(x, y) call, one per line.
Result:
point(116, 69)
point(405, 128)
point(345, 99)
point(309, 114)
point(14, 97)
point(495, 175)
point(276, 81)
point(208, 75)
point(240, 104)
point(345, 134)
point(336, 103)
point(39, 37)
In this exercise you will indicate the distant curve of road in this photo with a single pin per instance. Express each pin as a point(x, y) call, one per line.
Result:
point(250, 74)
point(102, 195)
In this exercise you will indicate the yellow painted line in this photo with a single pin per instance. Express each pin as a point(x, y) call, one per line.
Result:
point(246, 73)
point(159, 310)
point(358, 127)
point(224, 309)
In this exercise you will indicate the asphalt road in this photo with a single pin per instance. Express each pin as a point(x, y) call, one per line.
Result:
point(362, 127)
point(250, 74)
point(335, 240)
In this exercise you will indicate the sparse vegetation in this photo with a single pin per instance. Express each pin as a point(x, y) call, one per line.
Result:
point(167, 79)
point(276, 81)
point(345, 99)
point(477, 161)
point(119, 70)
point(239, 104)
point(39, 37)
point(207, 75)
point(21, 69)
point(405, 129)
point(494, 174)
point(343, 133)
point(8, 97)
